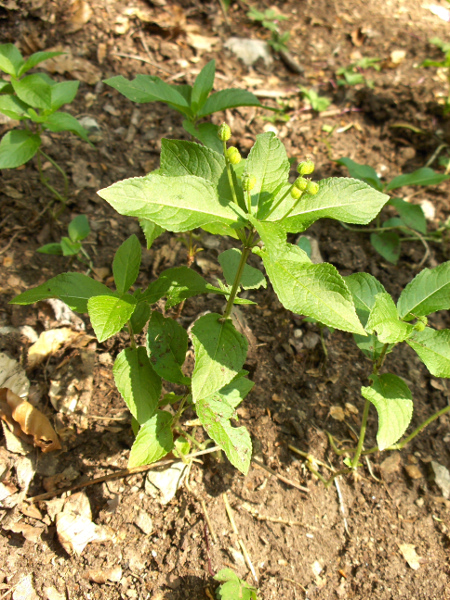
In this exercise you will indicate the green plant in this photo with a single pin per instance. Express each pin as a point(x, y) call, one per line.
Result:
point(233, 588)
point(387, 237)
point(270, 20)
point(78, 230)
point(34, 99)
point(386, 325)
point(193, 102)
point(443, 64)
point(353, 74)
point(250, 200)
point(280, 114)
point(318, 103)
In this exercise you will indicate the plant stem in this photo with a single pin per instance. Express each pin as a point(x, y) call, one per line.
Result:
point(44, 181)
point(362, 435)
point(237, 280)
point(422, 426)
point(283, 197)
point(63, 173)
point(132, 340)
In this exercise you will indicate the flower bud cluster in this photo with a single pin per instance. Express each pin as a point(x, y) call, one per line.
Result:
point(224, 132)
point(233, 155)
point(248, 182)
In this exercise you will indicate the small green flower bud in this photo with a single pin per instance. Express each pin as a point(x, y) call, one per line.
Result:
point(224, 132)
point(233, 155)
point(296, 193)
point(301, 184)
point(248, 182)
point(306, 168)
point(419, 326)
point(312, 188)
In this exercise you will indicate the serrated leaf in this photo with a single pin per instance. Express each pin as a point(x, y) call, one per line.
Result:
point(385, 321)
point(140, 317)
point(151, 231)
point(79, 228)
point(33, 90)
point(10, 59)
point(433, 347)
point(17, 147)
point(423, 176)
point(203, 85)
point(364, 289)
point(428, 292)
point(251, 278)
point(235, 392)
point(175, 203)
point(137, 382)
point(176, 285)
point(74, 289)
point(387, 244)
point(13, 108)
point(312, 290)
point(167, 344)
point(362, 172)
point(206, 133)
point(229, 98)
point(234, 588)
point(215, 415)
point(220, 352)
point(391, 397)
point(35, 59)
point(63, 92)
point(62, 121)
point(273, 236)
point(154, 440)
point(126, 263)
point(411, 214)
point(109, 314)
point(344, 199)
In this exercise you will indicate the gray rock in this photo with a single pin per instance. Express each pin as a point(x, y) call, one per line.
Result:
point(441, 478)
point(249, 51)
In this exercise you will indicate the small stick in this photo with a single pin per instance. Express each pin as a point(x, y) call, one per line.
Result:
point(310, 458)
point(117, 475)
point(142, 59)
point(208, 521)
point(280, 477)
point(260, 517)
point(241, 543)
point(296, 583)
point(341, 504)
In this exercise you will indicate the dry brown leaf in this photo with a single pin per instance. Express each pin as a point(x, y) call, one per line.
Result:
point(80, 13)
point(409, 554)
point(337, 413)
point(79, 68)
point(27, 422)
point(48, 343)
point(30, 533)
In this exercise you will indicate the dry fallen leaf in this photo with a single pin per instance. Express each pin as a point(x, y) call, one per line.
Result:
point(48, 343)
point(13, 376)
point(409, 554)
point(79, 14)
point(78, 67)
point(337, 413)
point(24, 420)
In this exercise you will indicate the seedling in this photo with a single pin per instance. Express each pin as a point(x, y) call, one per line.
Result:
point(280, 114)
point(193, 102)
point(270, 20)
point(443, 64)
point(251, 201)
point(386, 325)
point(233, 588)
point(353, 74)
point(318, 103)
point(34, 99)
point(78, 230)
point(411, 224)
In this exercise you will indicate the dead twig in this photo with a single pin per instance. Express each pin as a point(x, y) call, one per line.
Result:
point(142, 59)
point(241, 543)
point(260, 517)
point(280, 477)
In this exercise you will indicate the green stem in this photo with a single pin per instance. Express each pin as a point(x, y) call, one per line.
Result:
point(132, 340)
point(283, 197)
point(422, 426)
point(189, 437)
point(237, 280)
point(180, 410)
point(44, 181)
point(362, 435)
point(62, 172)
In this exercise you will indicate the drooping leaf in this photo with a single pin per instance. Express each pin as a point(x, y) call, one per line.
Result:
point(312, 290)
point(17, 147)
point(79, 228)
point(151, 231)
point(154, 440)
point(167, 344)
point(387, 244)
point(10, 59)
point(176, 285)
point(137, 382)
point(362, 172)
point(391, 397)
point(229, 98)
point(206, 133)
point(220, 352)
point(251, 278)
point(62, 121)
point(33, 90)
point(411, 214)
point(433, 347)
point(428, 292)
point(215, 414)
point(423, 176)
point(74, 289)
point(140, 317)
point(126, 263)
point(109, 314)
point(175, 203)
point(203, 85)
point(385, 321)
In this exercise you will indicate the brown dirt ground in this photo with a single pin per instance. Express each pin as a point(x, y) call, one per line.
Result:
point(356, 539)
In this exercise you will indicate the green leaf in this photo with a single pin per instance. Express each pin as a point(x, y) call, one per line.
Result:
point(54, 249)
point(137, 382)
point(235, 392)
point(251, 278)
point(176, 285)
point(344, 199)
point(167, 344)
point(229, 98)
point(61, 121)
point(69, 248)
point(423, 176)
point(387, 244)
point(391, 397)
point(234, 588)
point(385, 321)
point(63, 92)
point(220, 352)
point(312, 290)
point(74, 289)
point(362, 172)
point(10, 59)
point(175, 203)
point(6, 87)
point(151, 231)
point(140, 317)
point(17, 147)
point(153, 441)
point(79, 228)
point(215, 414)
point(433, 347)
point(13, 108)
point(33, 90)
point(203, 85)
point(127, 261)
point(411, 214)
point(269, 164)
point(273, 236)
point(206, 133)
point(35, 59)
point(109, 314)
point(428, 292)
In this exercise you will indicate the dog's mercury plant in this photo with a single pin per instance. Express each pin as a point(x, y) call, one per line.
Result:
point(251, 201)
